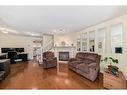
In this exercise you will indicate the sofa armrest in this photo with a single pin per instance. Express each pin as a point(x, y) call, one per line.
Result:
point(54, 58)
point(98, 59)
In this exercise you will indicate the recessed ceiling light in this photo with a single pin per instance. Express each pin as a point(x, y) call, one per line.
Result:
point(60, 31)
point(7, 30)
point(13, 31)
point(4, 32)
point(35, 34)
point(31, 33)
point(1, 28)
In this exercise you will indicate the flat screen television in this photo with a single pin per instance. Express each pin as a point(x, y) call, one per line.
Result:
point(118, 49)
point(5, 50)
point(19, 49)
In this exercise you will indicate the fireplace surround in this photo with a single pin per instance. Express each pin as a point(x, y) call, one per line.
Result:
point(63, 56)
point(70, 49)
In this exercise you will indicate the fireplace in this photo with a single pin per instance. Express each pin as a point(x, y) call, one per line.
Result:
point(69, 52)
point(63, 56)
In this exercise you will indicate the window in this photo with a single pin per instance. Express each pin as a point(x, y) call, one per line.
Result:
point(101, 40)
point(79, 43)
point(84, 42)
point(116, 38)
point(92, 41)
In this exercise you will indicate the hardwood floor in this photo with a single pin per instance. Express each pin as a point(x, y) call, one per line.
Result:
point(29, 75)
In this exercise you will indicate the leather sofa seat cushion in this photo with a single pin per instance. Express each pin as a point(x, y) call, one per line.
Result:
point(83, 67)
point(75, 63)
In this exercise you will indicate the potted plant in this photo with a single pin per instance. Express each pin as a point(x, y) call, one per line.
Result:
point(112, 68)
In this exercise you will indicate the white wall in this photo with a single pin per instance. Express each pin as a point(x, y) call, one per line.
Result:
point(122, 57)
point(68, 38)
point(8, 40)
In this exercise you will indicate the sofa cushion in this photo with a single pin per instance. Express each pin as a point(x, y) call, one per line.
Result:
point(80, 55)
point(93, 65)
point(74, 63)
point(91, 56)
point(83, 67)
point(87, 61)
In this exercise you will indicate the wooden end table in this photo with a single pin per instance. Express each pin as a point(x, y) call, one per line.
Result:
point(113, 82)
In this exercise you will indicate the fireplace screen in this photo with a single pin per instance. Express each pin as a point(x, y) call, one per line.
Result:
point(63, 56)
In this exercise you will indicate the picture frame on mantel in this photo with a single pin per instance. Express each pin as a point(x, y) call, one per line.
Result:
point(63, 43)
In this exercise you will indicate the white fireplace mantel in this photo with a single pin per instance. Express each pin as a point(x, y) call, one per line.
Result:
point(70, 49)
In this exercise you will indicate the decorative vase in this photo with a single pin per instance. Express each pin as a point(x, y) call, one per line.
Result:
point(113, 69)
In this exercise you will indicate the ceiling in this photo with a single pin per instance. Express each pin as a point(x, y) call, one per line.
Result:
point(36, 20)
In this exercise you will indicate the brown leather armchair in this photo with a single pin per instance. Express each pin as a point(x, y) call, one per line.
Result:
point(49, 60)
point(4, 68)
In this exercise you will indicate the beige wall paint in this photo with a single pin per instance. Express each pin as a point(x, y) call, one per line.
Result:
point(7, 40)
point(122, 57)
point(68, 38)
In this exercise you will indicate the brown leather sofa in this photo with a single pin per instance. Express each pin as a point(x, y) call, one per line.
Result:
point(86, 64)
point(49, 60)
